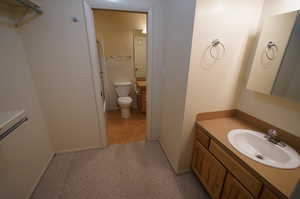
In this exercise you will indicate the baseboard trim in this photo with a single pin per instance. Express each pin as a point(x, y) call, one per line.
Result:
point(78, 149)
point(177, 172)
point(37, 181)
point(151, 139)
point(184, 171)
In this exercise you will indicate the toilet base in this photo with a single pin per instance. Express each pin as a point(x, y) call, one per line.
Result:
point(125, 113)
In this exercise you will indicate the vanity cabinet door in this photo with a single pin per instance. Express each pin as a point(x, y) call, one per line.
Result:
point(198, 156)
point(142, 99)
point(144, 103)
point(267, 194)
point(239, 172)
point(209, 170)
point(234, 190)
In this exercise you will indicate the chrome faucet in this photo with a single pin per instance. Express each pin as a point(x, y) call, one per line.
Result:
point(272, 136)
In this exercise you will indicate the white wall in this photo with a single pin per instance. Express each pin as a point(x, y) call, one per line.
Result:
point(213, 85)
point(25, 153)
point(178, 30)
point(278, 111)
point(58, 54)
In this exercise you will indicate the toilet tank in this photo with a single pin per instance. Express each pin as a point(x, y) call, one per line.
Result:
point(123, 89)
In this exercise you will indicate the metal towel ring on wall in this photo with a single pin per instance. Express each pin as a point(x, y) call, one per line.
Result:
point(214, 44)
point(274, 48)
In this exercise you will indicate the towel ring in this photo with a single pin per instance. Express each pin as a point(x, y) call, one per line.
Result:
point(214, 44)
point(271, 46)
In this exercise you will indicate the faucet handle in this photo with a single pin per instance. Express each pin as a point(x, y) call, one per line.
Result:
point(272, 133)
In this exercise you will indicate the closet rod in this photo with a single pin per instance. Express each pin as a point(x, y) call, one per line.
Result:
point(31, 5)
point(14, 127)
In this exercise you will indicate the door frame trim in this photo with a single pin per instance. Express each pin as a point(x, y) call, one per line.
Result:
point(150, 76)
point(95, 70)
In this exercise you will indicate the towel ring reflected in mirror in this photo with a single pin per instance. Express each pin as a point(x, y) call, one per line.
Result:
point(271, 46)
point(214, 44)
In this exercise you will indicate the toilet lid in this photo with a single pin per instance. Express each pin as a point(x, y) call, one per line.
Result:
point(125, 100)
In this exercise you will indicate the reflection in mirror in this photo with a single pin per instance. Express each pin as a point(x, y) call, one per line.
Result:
point(276, 62)
point(140, 54)
point(287, 83)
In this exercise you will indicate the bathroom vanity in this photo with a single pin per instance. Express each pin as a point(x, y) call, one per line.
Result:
point(142, 95)
point(228, 174)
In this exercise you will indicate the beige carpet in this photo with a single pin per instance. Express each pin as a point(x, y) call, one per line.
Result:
point(137, 170)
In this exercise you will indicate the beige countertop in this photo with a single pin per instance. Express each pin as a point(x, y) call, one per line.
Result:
point(141, 83)
point(281, 179)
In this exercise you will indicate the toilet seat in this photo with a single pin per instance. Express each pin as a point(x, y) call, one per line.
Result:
point(124, 100)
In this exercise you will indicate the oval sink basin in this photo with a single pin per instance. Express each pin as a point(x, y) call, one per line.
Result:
point(254, 145)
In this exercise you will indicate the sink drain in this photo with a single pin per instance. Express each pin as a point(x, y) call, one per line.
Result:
point(259, 156)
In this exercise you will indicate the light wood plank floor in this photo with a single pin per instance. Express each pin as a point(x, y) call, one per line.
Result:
point(122, 131)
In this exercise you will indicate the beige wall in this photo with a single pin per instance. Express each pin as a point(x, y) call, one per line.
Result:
point(115, 32)
point(277, 111)
point(178, 30)
point(212, 85)
point(57, 49)
point(24, 154)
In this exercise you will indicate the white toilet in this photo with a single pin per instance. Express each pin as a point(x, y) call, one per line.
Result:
point(123, 90)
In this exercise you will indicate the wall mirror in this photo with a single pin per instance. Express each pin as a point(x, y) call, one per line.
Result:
point(276, 65)
point(140, 54)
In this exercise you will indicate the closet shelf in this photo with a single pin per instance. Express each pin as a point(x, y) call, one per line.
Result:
point(21, 11)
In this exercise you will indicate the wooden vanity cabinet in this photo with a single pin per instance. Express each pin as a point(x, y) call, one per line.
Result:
point(198, 156)
point(233, 189)
point(222, 176)
point(209, 170)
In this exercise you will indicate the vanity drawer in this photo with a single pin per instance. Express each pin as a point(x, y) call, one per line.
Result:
point(248, 180)
point(202, 138)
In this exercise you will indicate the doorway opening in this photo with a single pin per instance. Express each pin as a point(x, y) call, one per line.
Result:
point(122, 45)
